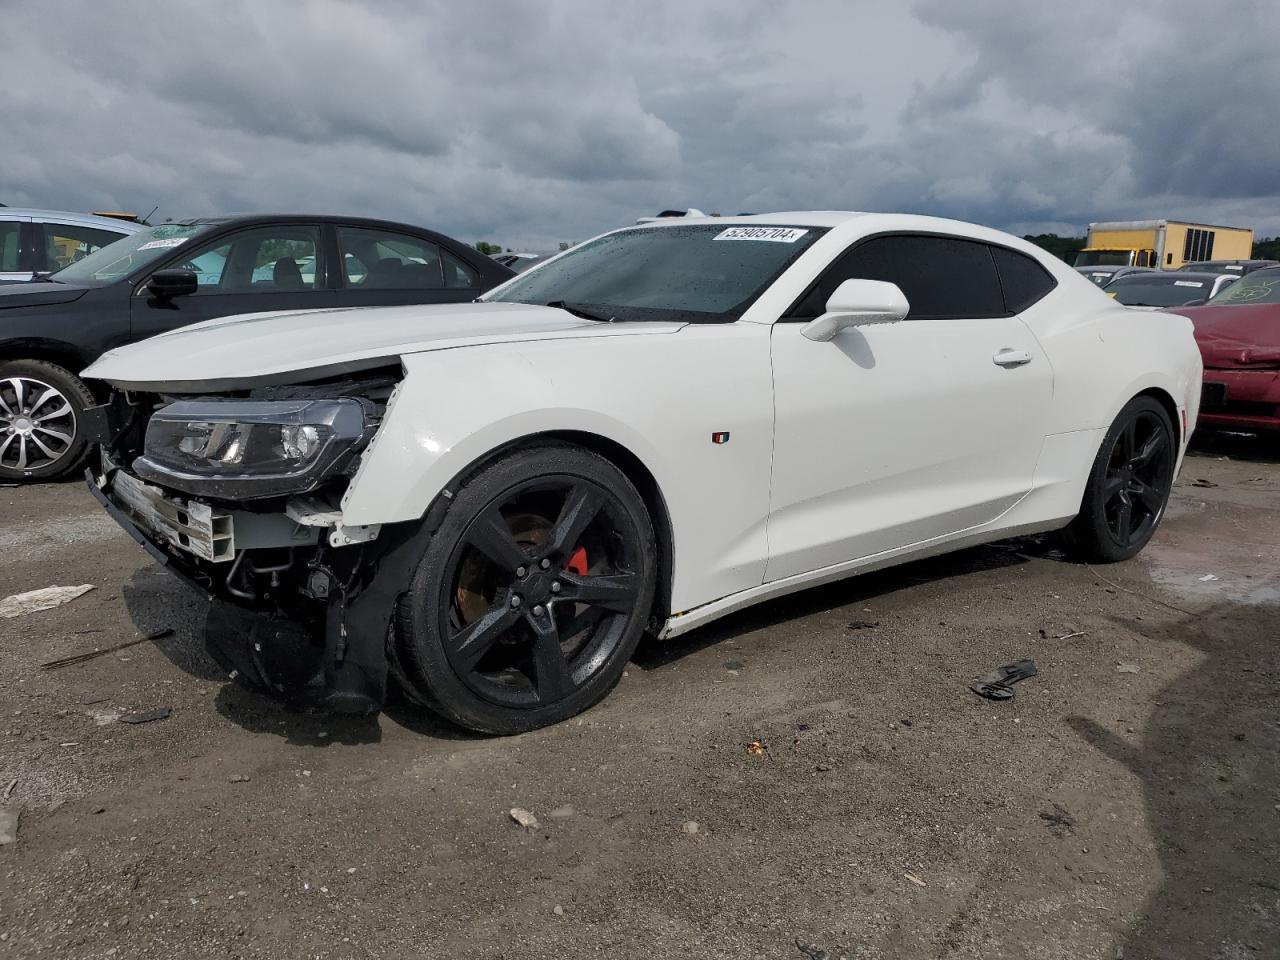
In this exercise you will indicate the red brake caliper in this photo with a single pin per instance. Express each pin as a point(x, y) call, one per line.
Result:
point(577, 562)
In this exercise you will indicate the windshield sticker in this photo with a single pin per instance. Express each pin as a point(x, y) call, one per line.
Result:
point(160, 244)
point(772, 234)
point(1187, 283)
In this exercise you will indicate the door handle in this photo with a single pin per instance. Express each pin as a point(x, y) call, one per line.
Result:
point(1011, 358)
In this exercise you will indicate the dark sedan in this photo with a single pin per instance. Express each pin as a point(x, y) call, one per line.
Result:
point(1158, 288)
point(179, 273)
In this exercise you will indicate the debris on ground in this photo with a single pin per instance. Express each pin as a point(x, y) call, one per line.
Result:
point(1060, 821)
point(524, 818)
point(690, 827)
point(998, 684)
point(1208, 578)
point(756, 748)
point(733, 666)
point(237, 778)
point(813, 953)
point(46, 598)
point(103, 718)
point(8, 825)
point(146, 716)
point(862, 624)
point(558, 910)
point(914, 879)
point(1127, 668)
point(1201, 482)
point(82, 657)
point(9, 788)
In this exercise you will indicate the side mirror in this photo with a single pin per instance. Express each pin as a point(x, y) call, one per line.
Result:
point(166, 284)
point(856, 303)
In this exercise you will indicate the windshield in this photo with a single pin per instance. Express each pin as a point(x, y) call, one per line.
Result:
point(1158, 290)
point(704, 273)
point(1098, 258)
point(129, 254)
point(1260, 286)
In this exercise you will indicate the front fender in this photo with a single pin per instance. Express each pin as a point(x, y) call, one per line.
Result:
point(662, 398)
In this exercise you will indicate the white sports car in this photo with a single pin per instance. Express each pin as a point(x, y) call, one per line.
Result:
point(492, 502)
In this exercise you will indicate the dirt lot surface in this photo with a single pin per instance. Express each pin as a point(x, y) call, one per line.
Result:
point(1125, 804)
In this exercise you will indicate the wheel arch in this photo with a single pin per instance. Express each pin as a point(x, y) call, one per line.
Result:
point(51, 351)
point(1165, 399)
point(631, 465)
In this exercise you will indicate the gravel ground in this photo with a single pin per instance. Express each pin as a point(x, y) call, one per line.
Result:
point(1125, 804)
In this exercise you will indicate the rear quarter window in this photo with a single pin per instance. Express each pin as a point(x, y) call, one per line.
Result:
point(1023, 280)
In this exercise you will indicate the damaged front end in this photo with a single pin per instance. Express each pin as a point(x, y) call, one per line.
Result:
point(240, 493)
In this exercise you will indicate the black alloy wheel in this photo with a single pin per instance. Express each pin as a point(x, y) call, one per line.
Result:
point(532, 596)
point(1128, 486)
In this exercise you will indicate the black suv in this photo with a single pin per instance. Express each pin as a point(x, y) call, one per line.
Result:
point(183, 272)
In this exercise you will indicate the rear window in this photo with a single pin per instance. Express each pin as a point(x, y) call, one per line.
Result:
point(1157, 290)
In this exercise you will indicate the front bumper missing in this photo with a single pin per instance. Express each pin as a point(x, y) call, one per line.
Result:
point(342, 664)
point(200, 529)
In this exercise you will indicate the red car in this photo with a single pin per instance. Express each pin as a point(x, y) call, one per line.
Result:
point(1238, 331)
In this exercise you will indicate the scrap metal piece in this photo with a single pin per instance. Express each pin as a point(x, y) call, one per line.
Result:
point(998, 684)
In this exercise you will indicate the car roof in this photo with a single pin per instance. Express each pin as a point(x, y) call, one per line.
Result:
point(69, 216)
point(1235, 263)
point(792, 218)
point(249, 219)
point(1175, 275)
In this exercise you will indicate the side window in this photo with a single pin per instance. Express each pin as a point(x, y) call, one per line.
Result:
point(10, 231)
point(458, 274)
point(1024, 281)
point(263, 260)
point(381, 260)
point(208, 265)
point(65, 244)
point(941, 277)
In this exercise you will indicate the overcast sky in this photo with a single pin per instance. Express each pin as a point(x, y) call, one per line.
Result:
point(527, 123)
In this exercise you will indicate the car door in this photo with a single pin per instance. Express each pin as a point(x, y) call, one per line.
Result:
point(900, 433)
point(15, 249)
point(385, 268)
point(255, 270)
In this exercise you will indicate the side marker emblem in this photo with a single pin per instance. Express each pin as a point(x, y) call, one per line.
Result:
point(721, 437)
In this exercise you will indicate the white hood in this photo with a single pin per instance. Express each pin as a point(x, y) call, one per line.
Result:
point(264, 347)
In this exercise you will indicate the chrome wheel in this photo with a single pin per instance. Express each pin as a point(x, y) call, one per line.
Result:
point(37, 424)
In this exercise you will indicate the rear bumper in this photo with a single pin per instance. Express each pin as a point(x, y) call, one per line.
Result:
point(1249, 399)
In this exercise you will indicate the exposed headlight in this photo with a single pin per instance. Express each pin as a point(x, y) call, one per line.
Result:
point(244, 449)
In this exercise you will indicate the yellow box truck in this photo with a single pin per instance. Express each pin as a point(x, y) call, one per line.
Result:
point(1164, 244)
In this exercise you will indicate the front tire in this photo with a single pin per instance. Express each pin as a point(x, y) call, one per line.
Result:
point(533, 593)
point(41, 408)
point(1128, 486)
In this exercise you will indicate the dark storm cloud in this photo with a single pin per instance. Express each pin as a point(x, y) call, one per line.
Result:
point(532, 123)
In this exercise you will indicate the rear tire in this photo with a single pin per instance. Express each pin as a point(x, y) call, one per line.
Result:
point(532, 595)
point(1128, 486)
point(41, 410)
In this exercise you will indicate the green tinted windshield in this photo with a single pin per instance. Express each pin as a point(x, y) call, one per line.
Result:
point(703, 273)
point(129, 254)
point(1261, 286)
